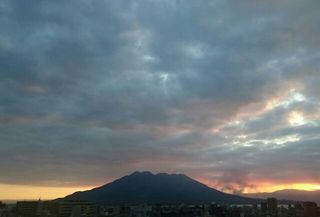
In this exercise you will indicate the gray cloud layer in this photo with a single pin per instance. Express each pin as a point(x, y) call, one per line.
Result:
point(92, 90)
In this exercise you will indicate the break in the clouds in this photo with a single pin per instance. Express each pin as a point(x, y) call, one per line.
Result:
point(220, 90)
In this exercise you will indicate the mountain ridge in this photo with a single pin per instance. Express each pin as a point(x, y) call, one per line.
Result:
point(146, 187)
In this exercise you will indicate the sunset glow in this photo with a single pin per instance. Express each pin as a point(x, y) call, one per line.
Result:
point(296, 118)
point(24, 192)
point(258, 187)
point(277, 187)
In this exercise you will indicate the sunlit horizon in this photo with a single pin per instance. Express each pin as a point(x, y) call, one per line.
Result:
point(24, 192)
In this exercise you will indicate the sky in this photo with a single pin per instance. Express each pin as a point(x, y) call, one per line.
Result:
point(224, 91)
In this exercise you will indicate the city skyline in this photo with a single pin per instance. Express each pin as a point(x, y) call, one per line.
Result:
point(227, 93)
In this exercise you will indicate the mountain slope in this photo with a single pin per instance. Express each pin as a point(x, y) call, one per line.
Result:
point(142, 187)
point(290, 194)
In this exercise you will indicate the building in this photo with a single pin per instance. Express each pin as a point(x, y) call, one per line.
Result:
point(77, 208)
point(272, 207)
point(141, 210)
point(29, 208)
point(310, 209)
point(263, 208)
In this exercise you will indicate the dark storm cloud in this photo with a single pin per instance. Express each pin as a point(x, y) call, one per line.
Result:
point(92, 90)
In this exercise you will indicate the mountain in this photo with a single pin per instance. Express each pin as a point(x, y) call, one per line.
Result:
point(290, 194)
point(140, 187)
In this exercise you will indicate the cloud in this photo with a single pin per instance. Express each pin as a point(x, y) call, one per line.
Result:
point(90, 91)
